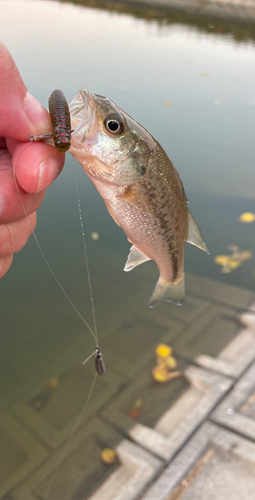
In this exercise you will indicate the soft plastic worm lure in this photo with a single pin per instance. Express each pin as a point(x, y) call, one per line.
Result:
point(60, 122)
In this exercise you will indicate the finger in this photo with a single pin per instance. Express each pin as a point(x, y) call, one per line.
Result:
point(14, 201)
point(13, 236)
point(36, 165)
point(5, 264)
point(21, 113)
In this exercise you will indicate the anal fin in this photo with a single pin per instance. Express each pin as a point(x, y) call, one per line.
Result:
point(195, 236)
point(135, 257)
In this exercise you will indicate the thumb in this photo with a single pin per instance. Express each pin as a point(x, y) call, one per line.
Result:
point(21, 114)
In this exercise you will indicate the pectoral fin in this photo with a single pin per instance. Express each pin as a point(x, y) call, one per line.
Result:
point(195, 236)
point(135, 257)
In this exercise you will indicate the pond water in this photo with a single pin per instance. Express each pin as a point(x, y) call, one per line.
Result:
point(193, 88)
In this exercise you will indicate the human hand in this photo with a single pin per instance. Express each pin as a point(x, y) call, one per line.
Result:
point(35, 165)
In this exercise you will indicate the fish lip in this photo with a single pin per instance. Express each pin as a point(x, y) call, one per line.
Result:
point(82, 110)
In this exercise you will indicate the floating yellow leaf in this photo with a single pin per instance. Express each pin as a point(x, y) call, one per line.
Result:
point(234, 260)
point(94, 236)
point(245, 255)
point(222, 259)
point(237, 92)
point(109, 456)
point(216, 102)
point(54, 382)
point(163, 350)
point(233, 263)
point(247, 217)
point(167, 104)
point(205, 75)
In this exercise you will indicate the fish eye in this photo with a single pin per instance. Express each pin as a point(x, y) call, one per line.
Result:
point(114, 124)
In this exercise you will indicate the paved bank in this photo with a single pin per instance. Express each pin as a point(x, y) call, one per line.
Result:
point(236, 9)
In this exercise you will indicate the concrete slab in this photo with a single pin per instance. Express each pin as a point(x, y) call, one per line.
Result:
point(234, 359)
point(176, 426)
point(215, 464)
point(237, 411)
point(138, 468)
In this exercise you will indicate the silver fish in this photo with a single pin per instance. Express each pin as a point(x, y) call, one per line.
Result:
point(140, 187)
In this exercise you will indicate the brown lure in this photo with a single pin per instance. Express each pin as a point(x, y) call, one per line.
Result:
point(60, 120)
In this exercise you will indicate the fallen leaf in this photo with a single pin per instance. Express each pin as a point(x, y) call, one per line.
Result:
point(138, 403)
point(162, 375)
point(54, 382)
point(135, 412)
point(247, 217)
point(109, 456)
point(222, 259)
point(163, 350)
point(171, 362)
point(245, 255)
point(233, 263)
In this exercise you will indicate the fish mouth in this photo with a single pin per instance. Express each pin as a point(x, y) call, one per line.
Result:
point(82, 111)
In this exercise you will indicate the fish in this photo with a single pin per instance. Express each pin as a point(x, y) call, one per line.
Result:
point(140, 186)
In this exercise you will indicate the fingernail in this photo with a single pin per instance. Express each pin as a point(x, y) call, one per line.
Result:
point(1, 204)
point(36, 113)
point(48, 171)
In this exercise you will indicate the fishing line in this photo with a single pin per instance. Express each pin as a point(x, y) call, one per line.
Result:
point(100, 368)
point(85, 253)
point(48, 265)
point(79, 419)
point(99, 363)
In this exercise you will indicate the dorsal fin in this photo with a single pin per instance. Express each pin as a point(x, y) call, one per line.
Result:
point(195, 236)
point(135, 257)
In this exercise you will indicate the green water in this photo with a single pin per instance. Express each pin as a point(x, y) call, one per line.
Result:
point(208, 132)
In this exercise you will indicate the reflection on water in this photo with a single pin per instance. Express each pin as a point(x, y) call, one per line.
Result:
point(241, 29)
point(190, 82)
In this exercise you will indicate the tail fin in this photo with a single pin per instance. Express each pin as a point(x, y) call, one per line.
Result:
point(171, 292)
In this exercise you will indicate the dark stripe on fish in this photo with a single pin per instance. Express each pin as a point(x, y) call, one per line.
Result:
point(163, 225)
